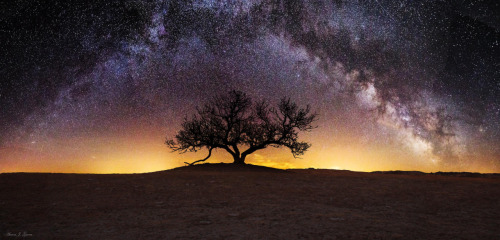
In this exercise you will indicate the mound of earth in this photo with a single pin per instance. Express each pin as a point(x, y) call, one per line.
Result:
point(227, 167)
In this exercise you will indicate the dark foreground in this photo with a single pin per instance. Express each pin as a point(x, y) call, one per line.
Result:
point(223, 202)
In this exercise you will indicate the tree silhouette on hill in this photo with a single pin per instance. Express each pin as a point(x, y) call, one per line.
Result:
point(235, 123)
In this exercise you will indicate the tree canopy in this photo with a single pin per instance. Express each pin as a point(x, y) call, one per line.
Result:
point(240, 126)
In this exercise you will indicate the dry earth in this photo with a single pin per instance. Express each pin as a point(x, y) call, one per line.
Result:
point(224, 202)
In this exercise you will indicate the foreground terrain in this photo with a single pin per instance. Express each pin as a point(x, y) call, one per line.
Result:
point(224, 202)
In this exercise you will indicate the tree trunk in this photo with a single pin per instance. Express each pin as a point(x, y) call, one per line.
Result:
point(239, 160)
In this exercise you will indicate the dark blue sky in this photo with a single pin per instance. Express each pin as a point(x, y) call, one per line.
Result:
point(414, 83)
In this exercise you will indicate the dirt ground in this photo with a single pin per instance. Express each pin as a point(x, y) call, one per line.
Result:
point(225, 202)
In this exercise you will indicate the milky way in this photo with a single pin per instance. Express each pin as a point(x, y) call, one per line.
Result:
point(397, 84)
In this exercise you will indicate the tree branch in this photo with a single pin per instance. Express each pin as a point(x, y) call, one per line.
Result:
point(201, 160)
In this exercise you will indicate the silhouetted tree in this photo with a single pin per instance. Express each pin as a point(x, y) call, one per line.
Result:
point(235, 123)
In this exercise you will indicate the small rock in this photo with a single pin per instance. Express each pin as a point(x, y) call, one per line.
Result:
point(337, 219)
point(205, 222)
point(233, 214)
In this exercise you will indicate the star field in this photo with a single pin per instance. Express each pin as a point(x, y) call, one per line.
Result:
point(96, 87)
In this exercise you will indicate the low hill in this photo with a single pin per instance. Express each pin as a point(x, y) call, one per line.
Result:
point(227, 167)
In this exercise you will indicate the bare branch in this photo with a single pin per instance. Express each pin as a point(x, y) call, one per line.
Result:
point(201, 160)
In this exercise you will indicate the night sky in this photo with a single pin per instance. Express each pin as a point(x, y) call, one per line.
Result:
point(97, 86)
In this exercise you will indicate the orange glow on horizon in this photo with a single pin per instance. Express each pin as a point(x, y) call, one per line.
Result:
point(134, 153)
point(343, 160)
